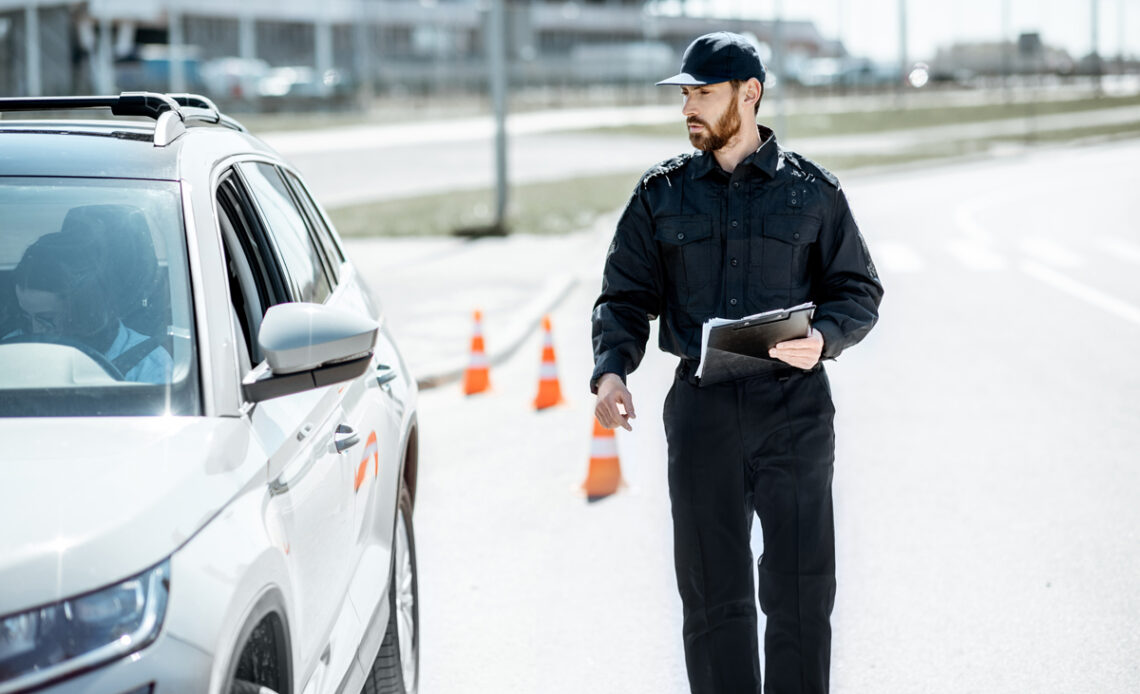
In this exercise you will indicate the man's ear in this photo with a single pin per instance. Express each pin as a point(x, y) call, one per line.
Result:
point(753, 91)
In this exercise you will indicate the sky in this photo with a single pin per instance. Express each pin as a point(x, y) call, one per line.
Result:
point(870, 27)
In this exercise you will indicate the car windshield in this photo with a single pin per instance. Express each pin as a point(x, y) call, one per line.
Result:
point(95, 310)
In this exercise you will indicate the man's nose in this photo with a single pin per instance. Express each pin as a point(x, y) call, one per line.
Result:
point(688, 110)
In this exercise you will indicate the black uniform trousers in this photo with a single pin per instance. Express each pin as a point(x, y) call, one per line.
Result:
point(762, 445)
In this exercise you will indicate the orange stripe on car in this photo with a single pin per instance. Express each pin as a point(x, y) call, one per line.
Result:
point(371, 450)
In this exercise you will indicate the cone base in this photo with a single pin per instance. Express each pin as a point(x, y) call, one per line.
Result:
point(476, 382)
point(549, 394)
point(603, 479)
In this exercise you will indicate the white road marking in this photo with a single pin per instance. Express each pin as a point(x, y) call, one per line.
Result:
point(965, 222)
point(1050, 252)
point(976, 254)
point(894, 257)
point(1080, 290)
point(1127, 251)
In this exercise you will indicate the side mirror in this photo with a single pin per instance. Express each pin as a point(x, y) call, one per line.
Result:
point(309, 346)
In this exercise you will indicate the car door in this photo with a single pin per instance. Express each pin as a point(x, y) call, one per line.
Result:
point(309, 437)
point(379, 403)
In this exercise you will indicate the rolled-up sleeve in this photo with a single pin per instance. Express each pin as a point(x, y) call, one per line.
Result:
point(631, 294)
point(847, 286)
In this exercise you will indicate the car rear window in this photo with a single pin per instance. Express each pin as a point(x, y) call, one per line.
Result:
point(95, 307)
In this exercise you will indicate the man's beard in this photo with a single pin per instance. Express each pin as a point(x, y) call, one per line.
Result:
point(713, 139)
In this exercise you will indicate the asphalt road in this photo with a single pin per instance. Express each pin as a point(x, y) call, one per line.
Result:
point(986, 484)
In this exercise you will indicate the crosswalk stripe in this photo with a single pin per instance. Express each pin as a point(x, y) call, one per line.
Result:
point(894, 257)
point(976, 254)
point(1082, 291)
point(1127, 251)
point(1050, 252)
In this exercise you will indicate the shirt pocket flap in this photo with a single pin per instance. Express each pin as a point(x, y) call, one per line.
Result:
point(683, 229)
point(791, 228)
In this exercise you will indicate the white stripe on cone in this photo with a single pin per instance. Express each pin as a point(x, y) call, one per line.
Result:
point(604, 447)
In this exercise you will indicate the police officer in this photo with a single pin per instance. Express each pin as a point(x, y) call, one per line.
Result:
point(739, 227)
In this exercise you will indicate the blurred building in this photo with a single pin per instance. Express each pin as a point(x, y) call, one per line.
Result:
point(335, 49)
point(1029, 55)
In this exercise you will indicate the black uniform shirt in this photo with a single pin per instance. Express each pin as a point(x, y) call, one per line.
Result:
point(695, 242)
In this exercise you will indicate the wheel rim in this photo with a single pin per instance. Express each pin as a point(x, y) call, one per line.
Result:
point(405, 605)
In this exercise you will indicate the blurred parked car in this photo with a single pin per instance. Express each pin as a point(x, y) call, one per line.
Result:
point(233, 78)
point(300, 81)
point(210, 445)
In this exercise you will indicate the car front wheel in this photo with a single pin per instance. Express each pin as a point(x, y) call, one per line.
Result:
point(397, 666)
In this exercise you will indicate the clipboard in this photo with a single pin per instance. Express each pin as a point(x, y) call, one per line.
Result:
point(732, 349)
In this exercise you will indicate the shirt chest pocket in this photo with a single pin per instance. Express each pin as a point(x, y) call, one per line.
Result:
point(780, 254)
point(687, 246)
point(689, 253)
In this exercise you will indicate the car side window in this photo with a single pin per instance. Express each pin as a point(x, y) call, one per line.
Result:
point(287, 227)
point(322, 231)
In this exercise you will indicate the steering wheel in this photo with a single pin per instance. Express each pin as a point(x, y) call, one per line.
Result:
point(87, 349)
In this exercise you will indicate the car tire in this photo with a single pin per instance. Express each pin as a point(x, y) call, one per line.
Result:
point(396, 669)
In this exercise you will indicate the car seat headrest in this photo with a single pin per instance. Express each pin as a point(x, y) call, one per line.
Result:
point(122, 238)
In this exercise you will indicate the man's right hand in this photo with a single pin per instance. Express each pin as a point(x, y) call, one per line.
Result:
point(613, 398)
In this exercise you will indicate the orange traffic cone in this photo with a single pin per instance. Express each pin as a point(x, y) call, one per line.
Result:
point(477, 378)
point(549, 389)
point(605, 469)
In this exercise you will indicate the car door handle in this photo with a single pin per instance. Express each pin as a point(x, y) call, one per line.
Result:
point(385, 374)
point(346, 438)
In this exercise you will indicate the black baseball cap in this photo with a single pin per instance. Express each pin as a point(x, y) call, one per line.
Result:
point(718, 57)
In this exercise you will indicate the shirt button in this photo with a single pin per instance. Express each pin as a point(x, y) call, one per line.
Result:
point(732, 262)
point(796, 235)
point(681, 237)
point(734, 224)
point(736, 184)
point(732, 302)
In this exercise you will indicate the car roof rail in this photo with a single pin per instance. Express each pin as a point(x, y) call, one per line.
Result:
point(196, 107)
point(171, 112)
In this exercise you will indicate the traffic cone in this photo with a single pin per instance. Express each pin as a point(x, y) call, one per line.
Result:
point(604, 475)
point(477, 378)
point(549, 389)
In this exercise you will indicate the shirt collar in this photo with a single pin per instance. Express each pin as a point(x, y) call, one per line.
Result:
point(765, 158)
point(119, 345)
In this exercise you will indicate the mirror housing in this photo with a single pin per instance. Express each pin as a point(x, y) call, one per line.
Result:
point(309, 346)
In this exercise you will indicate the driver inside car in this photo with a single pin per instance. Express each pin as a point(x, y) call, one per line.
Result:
point(61, 294)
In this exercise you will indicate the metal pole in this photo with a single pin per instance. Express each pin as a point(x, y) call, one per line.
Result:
point(323, 49)
point(176, 47)
point(904, 60)
point(1094, 54)
point(1121, 17)
point(497, 55)
point(781, 125)
point(34, 85)
point(1006, 58)
point(106, 65)
point(363, 42)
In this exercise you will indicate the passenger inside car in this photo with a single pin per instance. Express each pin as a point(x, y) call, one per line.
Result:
point(69, 290)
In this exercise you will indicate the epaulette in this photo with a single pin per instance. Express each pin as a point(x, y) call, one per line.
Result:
point(667, 166)
point(809, 168)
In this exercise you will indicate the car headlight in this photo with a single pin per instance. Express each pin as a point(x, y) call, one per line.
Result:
point(75, 634)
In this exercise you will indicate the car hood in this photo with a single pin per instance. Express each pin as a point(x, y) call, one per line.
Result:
point(85, 503)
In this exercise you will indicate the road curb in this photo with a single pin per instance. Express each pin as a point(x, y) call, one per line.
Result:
point(450, 371)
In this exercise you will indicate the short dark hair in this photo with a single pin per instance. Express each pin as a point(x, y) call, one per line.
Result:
point(736, 84)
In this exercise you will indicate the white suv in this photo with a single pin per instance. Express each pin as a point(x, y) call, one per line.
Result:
point(209, 438)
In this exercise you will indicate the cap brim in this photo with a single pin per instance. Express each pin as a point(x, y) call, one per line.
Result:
point(685, 80)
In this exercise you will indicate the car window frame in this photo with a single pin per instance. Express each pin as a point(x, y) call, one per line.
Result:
point(279, 257)
point(319, 230)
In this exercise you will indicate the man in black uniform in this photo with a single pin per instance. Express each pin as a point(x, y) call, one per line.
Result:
point(740, 227)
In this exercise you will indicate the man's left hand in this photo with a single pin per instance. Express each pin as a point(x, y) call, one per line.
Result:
point(802, 354)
